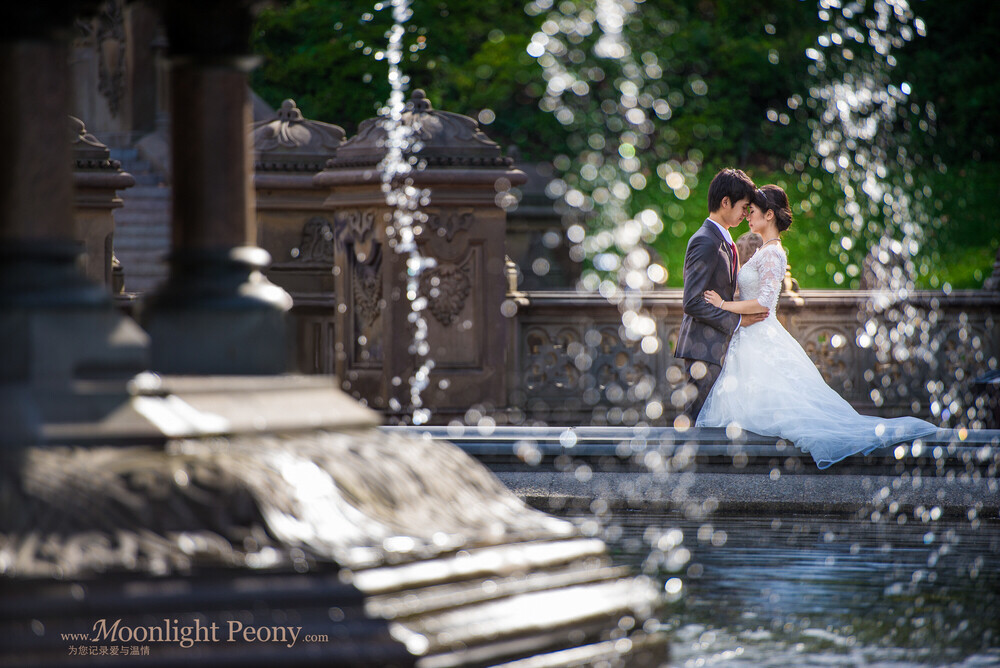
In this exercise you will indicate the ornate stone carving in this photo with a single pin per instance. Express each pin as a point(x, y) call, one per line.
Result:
point(449, 224)
point(441, 138)
point(830, 348)
point(317, 241)
point(355, 236)
point(290, 142)
point(617, 365)
point(105, 33)
point(548, 367)
point(356, 229)
point(111, 40)
point(368, 288)
point(560, 361)
point(88, 151)
point(959, 349)
point(446, 287)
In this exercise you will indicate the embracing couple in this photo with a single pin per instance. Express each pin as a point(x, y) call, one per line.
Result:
point(743, 368)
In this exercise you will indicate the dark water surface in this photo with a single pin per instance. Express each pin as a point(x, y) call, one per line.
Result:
point(821, 590)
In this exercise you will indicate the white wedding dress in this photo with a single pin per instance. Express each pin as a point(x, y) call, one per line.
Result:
point(769, 386)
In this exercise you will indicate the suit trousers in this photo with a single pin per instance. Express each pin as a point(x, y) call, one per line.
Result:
point(703, 385)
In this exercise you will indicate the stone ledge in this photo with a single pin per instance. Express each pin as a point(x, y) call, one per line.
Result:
point(152, 408)
point(754, 492)
point(700, 446)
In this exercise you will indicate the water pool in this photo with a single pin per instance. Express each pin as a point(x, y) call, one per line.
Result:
point(813, 590)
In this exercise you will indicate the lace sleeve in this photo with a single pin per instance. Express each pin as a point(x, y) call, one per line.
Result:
point(771, 270)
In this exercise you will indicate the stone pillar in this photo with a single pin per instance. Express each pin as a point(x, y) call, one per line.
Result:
point(468, 179)
point(216, 314)
point(96, 180)
point(295, 228)
point(56, 327)
point(536, 237)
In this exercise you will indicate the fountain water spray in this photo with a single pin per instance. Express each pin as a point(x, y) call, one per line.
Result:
point(404, 198)
point(597, 189)
point(857, 139)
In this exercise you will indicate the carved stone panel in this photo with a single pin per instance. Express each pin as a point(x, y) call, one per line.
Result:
point(455, 319)
point(618, 365)
point(355, 228)
point(831, 348)
point(317, 242)
point(111, 42)
point(367, 288)
point(446, 288)
point(105, 33)
point(548, 368)
point(356, 243)
point(569, 360)
point(446, 224)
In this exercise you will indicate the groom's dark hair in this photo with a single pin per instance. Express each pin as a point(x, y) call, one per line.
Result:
point(731, 183)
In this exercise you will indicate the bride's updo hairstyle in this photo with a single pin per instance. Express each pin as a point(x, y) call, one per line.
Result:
point(773, 198)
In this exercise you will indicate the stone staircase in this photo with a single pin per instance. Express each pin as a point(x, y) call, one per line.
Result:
point(142, 225)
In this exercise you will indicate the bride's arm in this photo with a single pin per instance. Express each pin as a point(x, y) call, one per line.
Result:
point(744, 307)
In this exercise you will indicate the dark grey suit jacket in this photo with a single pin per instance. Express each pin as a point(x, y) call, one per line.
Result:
point(706, 330)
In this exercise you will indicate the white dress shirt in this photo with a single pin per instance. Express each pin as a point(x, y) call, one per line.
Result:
point(725, 232)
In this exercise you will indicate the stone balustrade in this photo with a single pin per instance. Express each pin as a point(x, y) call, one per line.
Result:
point(570, 365)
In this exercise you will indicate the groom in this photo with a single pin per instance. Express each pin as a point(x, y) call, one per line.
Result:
point(711, 263)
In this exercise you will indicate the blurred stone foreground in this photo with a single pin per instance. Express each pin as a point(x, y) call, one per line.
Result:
point(262, 512)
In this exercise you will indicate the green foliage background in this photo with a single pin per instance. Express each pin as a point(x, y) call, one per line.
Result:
point(470, 55)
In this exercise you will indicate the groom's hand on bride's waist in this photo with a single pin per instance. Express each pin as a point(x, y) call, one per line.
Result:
point(753, 318)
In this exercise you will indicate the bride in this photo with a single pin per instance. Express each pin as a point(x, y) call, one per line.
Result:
point(768, 384)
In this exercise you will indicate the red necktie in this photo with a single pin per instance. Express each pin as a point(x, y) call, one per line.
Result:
point(732, 247)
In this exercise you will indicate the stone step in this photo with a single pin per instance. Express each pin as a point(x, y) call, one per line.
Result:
point(146, 191)
point(141, 216)
point(145, 207)
point(137, 265)
point(148, 271)
point(136, 247)
point(141, 285)
point(143, 228)
point(143, 276)
point(957, 449)
point(142, 262)
point(152, 240)
point(145, 178)
point(125, 155)
point(160, 245)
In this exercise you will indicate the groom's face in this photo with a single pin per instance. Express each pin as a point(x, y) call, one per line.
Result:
point(737, 212)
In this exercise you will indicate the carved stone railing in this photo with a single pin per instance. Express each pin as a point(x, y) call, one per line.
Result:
point(569, 364)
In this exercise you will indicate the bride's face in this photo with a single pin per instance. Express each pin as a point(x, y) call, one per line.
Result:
point(755, 219)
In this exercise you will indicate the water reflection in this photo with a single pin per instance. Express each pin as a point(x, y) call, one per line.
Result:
point(825, 590)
